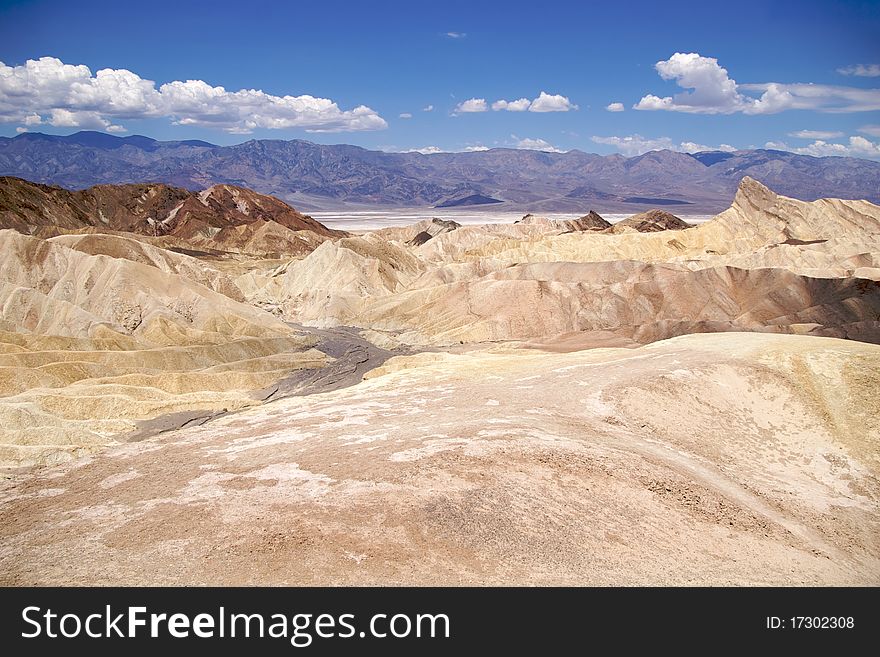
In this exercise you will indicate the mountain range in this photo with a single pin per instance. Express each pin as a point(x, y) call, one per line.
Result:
point(315, 176)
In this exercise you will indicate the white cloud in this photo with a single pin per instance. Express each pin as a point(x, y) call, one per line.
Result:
point(405, 115)
point(551, 103)
point(431, 150)
point(855, 147)
point(537, 145)
point(818, 97)
point(693, 147)
point(861, 70)
point(471, 105)
point(777, 146)
point(198, 103)
point(816, 134)
point(710, 90)
point(63, 118)
point(70, 96)
point(456, 35)
point(520, 105)
point(428, 108)
point(636, 145)
point(21, 129)
point(425, 150)
point(873, 130)
point(33, 119)
point(543, 103)
point(615, 107)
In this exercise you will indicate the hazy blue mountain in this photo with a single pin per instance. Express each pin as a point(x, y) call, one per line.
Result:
point(314, 176)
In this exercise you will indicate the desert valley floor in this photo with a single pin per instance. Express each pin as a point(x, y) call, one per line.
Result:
point(552, 401)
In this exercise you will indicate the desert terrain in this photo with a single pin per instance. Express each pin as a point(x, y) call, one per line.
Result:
point(213, 388)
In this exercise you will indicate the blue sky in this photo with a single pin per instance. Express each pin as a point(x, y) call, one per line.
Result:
point(747, 62)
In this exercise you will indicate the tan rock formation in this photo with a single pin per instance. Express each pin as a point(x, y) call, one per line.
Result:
point(652, 221)
point(534, 439)
point(590, 221)
point(418, 233)
point(767, 264)
point(742, 459)
point(92, 344)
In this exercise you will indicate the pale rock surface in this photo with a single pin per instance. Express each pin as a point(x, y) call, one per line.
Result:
point(552, 429)
point(742, 459)
point(118, 246)
point(769, 263)
point(92, 345)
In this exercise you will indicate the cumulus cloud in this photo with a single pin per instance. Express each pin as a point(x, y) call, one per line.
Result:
point(855, 147)
point(431, 150)
point(405, 115)
point(819, 97)
point(861, 70)
point(543, 103)
point(63, 118)
point(425, 150)
point(428, 108)
point(64, 95)
point(636, 145)
point(551, 103)
point(471, 105)
point(816, 134)
point(520, 105)
point(777, 146)
point(537, 145)
point(615, 107)
point(710, 90)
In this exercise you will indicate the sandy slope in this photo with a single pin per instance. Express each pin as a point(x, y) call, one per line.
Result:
point(717, 457)
point(705, 459)
point(769, 263)
point(99, 333)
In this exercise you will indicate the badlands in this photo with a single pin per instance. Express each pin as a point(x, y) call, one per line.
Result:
point(212, 388)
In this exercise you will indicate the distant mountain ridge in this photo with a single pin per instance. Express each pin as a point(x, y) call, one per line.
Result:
point(314, 176)
point(147, 209)
point(222, 218)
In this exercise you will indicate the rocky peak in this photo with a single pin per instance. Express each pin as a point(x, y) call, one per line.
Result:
point(430, 229)
point(590, 221)
point(752, 193)
point(652, 221)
